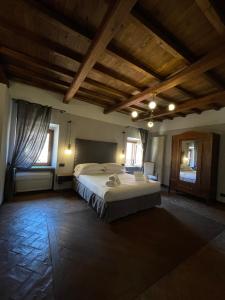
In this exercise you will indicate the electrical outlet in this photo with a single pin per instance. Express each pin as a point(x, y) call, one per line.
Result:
point(61, 165)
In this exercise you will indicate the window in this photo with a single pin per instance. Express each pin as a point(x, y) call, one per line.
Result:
point(45, 157)
point(134, 153)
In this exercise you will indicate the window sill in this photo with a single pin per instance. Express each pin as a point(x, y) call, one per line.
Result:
point(42, 167)
point(36, 169)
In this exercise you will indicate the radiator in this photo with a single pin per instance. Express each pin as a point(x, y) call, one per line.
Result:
point(33, 181)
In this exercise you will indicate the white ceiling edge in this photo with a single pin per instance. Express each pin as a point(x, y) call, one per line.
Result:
point(78, 108)
point(206, 118)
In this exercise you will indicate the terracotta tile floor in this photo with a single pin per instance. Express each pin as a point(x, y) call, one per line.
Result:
point(29, 265)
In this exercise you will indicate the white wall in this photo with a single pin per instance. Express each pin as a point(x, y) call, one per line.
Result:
point(206, 118)
point(5, 110)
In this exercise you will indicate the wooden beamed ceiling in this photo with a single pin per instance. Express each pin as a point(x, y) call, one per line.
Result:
point(93, 56)
point(204, 64)
point(111, 23)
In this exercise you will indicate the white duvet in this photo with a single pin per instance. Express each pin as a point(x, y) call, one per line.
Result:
point(129, 187)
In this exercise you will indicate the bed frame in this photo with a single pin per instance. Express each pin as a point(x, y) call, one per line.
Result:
point(88, 151)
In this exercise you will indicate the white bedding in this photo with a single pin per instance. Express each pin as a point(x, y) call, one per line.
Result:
point(189, 176)
point(129, 188)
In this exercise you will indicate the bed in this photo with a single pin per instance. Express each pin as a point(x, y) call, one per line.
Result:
point(111, 203)
point(188, 176)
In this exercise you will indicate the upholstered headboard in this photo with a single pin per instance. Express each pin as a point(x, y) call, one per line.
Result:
point(88, 151)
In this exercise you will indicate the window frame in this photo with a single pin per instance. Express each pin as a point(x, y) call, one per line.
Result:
point(50, 151)
point(133, 154)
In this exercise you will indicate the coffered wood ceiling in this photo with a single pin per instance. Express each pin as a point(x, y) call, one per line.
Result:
point(118, 54)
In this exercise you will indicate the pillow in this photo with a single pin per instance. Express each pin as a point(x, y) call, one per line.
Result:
point(90, 168)
point(113, 168)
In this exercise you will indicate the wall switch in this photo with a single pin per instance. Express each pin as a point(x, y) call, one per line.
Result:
point(61, 165)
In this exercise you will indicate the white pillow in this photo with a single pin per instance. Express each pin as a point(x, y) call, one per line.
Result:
point(112, 168)
point(90, 168)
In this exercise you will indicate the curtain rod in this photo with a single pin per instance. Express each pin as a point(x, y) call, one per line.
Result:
point(61, 110)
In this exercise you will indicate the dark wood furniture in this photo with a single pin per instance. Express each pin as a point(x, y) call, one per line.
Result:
point(204, 185)
point(64, 177)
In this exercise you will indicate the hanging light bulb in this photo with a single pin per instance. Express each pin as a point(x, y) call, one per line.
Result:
point(152, 105)
point(68, 149)
point(150, 124)
point(134, 114)
point(171, 107)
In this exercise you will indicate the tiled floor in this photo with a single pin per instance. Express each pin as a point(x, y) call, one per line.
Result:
point(35, 231)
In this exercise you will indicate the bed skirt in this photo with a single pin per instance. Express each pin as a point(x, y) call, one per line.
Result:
point(110, 211)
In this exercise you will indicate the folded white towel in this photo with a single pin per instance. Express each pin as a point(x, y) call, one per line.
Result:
point(111, 183)
point(114, 178)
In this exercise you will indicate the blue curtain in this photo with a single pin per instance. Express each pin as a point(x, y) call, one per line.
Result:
point(32, 124)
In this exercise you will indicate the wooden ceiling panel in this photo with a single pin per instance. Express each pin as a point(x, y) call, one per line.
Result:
point(186, 21)
point(86, 12)
point(220, 71)
point(127, 69)
point(199, 86)
point(39, 23)
point(59, 33)
point(127, 88)
point(146, 48)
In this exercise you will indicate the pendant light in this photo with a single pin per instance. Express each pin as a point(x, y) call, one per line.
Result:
point(68, 149)
point(122, 155)
point(152, 105)
point(171, 106)
point(134, 114)
point(150, 124)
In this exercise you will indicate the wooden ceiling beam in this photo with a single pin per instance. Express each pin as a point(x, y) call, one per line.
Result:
point(204, 64)
point(43, 84)
point(37, 74)
point(23, 71)
point(27, 59)
point(62, 50)
point(180, 114)
point(218, 97)
point(171, 42)
point(88, 33)
point(112, 21)
point(3, 77)
point(208, 9)
point(112, 49)
point(216, 106)
point(197, 110)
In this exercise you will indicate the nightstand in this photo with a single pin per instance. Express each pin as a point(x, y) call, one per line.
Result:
point(64, 177)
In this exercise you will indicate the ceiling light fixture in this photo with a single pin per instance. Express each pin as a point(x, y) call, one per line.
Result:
point(171, 107)
point(134, 114)
point(68, 150)
point(150, 124)
point(152, 105)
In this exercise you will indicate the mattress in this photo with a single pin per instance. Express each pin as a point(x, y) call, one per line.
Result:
point(129, 187)
point(188, 176)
